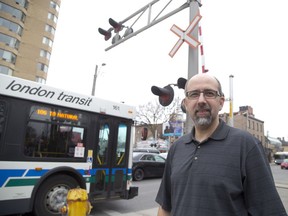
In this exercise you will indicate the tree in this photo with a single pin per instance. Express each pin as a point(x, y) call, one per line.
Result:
point(152, 114)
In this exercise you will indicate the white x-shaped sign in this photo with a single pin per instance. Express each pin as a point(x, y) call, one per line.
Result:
point(185, 35)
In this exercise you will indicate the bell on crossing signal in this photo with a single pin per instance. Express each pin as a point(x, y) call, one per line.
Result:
point(166, 94)
point(107, 34)
point(117, 26)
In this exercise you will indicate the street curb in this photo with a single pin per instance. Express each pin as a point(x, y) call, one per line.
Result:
point(281, 186)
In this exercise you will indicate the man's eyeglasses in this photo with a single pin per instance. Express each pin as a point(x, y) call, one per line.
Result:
point(207, 93)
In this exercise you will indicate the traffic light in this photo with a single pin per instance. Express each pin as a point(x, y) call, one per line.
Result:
point(107, 34)
point(117, 26)
point(166, 94)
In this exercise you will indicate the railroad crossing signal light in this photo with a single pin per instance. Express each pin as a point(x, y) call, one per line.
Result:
point(181, 82)
point(183, 107)
point(166, 94)
point(107, 34)
point(117, 26)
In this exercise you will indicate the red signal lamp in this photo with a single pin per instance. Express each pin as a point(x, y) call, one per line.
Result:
point(107, 34)
point(166, 94)
point(117, 26)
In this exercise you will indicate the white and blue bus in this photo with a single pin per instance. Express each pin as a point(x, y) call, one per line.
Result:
point(279, 157)
point(52, 140)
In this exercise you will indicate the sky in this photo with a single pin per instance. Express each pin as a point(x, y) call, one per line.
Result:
point(246, 39)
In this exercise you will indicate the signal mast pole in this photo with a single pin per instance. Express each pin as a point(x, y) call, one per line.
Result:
point(193, 58)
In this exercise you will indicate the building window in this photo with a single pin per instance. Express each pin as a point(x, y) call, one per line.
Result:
point(5, 70)
point(23, 3)
point(45, 54)
point(9, 41)
point(50, 29)
point(47, 41)
point(13, 11)
point(54, 5)
point(52, 17)
point(42, 67)
point(40, 80)
point(14, 27)
point(7, 56)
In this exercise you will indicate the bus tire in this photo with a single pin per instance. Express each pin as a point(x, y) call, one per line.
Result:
point(51, 195)
point(138, 174)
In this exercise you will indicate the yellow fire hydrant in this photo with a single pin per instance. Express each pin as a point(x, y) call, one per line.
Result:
point(77, 203)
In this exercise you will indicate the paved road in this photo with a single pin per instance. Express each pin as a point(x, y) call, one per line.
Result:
point(144, 204)
point(147, 206)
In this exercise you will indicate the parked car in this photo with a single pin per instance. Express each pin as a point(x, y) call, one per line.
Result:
point(284, 164)
point(151, 150)
point(147, 165)
point(164, 154)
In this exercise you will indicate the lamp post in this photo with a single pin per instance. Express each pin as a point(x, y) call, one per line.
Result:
point(97, 72)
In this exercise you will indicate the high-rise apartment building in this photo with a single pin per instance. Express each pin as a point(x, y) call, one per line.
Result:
point(27, 29)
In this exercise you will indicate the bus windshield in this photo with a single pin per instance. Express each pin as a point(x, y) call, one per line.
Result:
point(279, 157)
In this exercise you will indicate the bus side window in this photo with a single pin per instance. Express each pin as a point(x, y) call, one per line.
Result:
point(121, 144)
point(103, 144)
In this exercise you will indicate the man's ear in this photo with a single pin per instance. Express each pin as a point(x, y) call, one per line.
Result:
point(222, 100)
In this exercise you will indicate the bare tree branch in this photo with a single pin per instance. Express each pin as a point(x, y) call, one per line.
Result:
point(153, 114)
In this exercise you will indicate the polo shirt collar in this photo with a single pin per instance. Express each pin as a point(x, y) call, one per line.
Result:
point(220, 133)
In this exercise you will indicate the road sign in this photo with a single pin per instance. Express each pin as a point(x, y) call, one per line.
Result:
point(185, 35)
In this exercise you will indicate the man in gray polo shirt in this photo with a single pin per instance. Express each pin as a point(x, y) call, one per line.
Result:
point(216, 170)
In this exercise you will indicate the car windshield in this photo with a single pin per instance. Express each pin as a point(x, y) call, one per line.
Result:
point(140, 156)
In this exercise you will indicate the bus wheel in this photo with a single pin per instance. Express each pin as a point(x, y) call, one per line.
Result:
point(52, 194)
point(138, 174)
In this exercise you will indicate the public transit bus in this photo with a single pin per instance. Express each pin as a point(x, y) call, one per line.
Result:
point(52, 140)
point(279, 157)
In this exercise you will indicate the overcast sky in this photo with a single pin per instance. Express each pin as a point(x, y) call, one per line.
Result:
point(246, 39)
